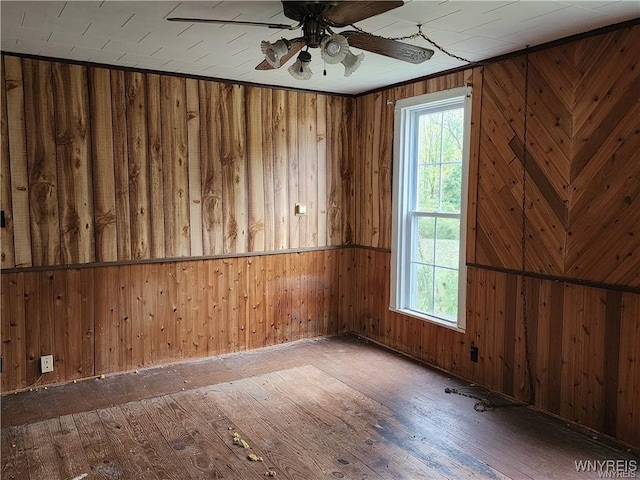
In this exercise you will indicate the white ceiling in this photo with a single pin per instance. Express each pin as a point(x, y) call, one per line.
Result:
point(136, 34)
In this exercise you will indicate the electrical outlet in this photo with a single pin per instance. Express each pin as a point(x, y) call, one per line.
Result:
point(474, 353)
point(46, 363)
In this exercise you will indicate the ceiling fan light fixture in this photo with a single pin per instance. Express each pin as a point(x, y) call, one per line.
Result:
point(334, 48)
point(300, 69)
point(273, 52)
point(351, 63)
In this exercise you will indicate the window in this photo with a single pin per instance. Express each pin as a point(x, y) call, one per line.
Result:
point(431, 158)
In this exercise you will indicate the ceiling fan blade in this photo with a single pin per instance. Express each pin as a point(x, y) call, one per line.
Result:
point(348, 12)
point(278, 26)
point(296, 46)
point(389, 48)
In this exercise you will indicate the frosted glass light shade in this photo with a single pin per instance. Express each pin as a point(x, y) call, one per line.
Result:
point(273, 52)
point(334, 48)
point(300, 70)
point(351, 63)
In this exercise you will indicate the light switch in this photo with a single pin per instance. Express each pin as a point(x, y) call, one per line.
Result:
point(301, 209)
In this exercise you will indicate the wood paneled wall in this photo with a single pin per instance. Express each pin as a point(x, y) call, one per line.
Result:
point(106, 165)
point(582, 217)
point(106, 319)
point(582, 161)
point(584, 341)
point(110, 166)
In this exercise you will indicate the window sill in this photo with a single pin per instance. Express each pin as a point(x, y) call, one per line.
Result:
point(426, 318)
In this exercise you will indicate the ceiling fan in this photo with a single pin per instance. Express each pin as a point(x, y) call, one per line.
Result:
point(317, 19)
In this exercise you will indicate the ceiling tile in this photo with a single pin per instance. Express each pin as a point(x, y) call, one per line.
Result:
point(137, 34)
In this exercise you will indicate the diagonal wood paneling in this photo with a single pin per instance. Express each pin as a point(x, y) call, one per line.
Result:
point(582, 161)
point(498, 240)
point(603, 237)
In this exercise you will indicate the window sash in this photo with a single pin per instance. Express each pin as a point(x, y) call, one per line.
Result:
point(406, 211)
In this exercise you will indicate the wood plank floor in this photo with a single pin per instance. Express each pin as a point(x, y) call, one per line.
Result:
point(316, 409)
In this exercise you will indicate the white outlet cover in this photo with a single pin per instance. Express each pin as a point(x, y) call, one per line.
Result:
point(46, 363)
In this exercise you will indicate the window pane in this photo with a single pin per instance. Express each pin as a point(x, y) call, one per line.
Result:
point(428, 194)
point(451, 187)
point(448, 242)
point(452, 137)
point(432, 162)
point(429, 138)
point(425, 239)
point(446, 299)
point(423, 299)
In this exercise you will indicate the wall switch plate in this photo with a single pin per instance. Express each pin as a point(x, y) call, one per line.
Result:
point(301, 209)
point(46, 363)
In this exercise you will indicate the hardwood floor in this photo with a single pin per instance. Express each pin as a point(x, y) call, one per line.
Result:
point(327, 408)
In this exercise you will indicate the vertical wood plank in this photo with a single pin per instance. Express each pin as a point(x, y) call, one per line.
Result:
point(195, 182)
point(199, 311)
point(571, 351)
point(210, 137)
point(34, 303)
point(87, 320)
point(628, 401)
point(136, 96)
point(346, 172)
point(280, 171)
point(171, 318)
point(107, 320)
point(20, 216)
point(293, 164)
point(612, 359)
point(269, 216)
point(175, 167)
point(234, 170)
point(305, 148)
point(334, 178)
point(41, 155)
point(256, 168)
point(556, 331)
point(121, 164)
point(254, 316)
point(186, 276)
point(321, 132)
point(542, 351)
point(156, 184)
point(385, 169)
point(104, 191)
point(75, 185)
point(125, 311)
point(139, 297)
point(364, 201)
point(7, 254)
point(594, 359)
point(308, 140)
point(13, 331)
point(475, 78)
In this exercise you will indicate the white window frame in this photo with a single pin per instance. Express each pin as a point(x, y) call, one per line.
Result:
point(403, 195)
